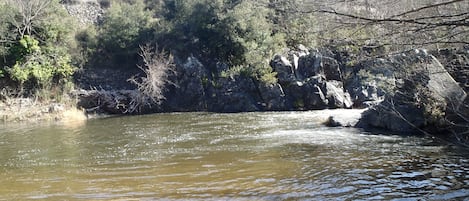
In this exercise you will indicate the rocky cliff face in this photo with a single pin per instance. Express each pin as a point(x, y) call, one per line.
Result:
point(306, 80)
point(86, 11)
point(424, 94)
point(392, 86)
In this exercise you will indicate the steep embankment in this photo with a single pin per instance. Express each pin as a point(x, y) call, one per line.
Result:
point(415, 86)
point(310, 79)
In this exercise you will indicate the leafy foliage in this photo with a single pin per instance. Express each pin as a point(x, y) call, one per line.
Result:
point(237, 33)
point(34, 44)
point(289, 19)
point(40, 65)
point(125, 27)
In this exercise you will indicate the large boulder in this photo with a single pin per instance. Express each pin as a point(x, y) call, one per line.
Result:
point(309, 65)
point(316, 63)
point(307, 95)
point(273, 97)
point(311, 80)
point(336, 95)
point(284, 69)
point(443, 85)
point(188, 90)
point(392, 116)
point(234, 94)
point(427, 84)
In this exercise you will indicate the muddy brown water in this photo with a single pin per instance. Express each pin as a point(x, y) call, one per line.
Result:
point(203, 156)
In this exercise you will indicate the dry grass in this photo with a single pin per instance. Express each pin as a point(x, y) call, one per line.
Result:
point(29, 110)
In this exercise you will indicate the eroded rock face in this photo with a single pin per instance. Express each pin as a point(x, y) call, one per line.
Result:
point(427, 84)
point(336, 95)
point(86, 11)
point(273, 97)
point(237, 94)
point(312, 80)
point(302, 85)
point(188, 90)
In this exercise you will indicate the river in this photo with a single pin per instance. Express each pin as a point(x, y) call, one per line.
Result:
point(204, 156)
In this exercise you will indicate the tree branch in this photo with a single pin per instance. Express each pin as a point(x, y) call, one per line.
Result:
point(426, 7)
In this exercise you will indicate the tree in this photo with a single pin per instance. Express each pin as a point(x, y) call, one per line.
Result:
point(8, 34)
point(235, 32)
point(35, 45)
point(125, 27)
point(288, 18)
point(249, 26)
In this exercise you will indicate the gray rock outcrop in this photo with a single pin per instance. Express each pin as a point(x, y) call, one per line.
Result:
point(427, 86)
point(188, 91)
point(86, 11)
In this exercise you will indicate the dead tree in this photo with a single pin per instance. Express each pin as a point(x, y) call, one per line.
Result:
point(30, 13)
point(157, 66)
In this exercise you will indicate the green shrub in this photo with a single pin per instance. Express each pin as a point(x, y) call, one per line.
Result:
point(237, 33)
point(19, 74)
point(298, 27)
point(40, 66)
point(36, 38)
point(125, 27)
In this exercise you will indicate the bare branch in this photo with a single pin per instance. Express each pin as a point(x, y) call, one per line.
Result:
point(416, 21)
point(426, 7)
point(157, 67)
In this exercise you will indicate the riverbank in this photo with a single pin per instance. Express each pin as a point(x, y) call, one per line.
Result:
point(307, 79)
point(29, 110)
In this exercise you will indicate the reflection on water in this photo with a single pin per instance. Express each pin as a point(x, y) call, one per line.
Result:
point(201, 156)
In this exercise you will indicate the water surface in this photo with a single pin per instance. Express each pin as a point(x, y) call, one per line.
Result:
point(203, 156)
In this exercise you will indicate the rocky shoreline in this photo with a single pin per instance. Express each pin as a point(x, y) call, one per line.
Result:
point(308, 79)
point(28, 110)
point(405, 92)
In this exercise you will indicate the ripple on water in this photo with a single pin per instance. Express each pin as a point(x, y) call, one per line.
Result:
point(202, 156)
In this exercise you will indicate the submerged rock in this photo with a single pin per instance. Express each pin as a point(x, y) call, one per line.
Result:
point(331, 122)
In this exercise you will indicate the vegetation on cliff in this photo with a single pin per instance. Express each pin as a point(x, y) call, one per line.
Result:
point(41, 43)
point(36, 48)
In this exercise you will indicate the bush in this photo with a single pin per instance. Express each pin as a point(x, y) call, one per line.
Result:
point(237, 33)
point(124, 28)
point(35, 49)
point(40, 65)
